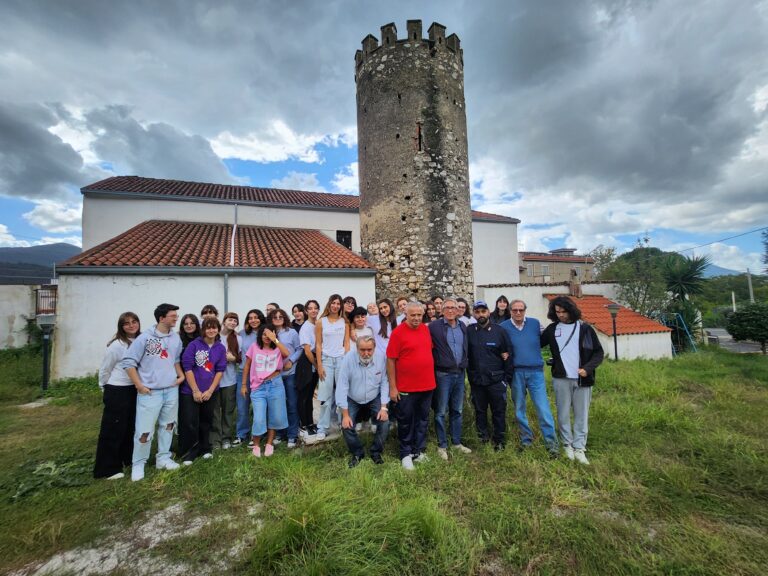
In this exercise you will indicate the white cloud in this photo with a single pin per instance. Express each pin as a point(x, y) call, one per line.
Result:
point(276, 143)
point(8, 240)
point(299, 181)
point(731, 257)
point(74, 240)
point(346, 181)
point(55, 217)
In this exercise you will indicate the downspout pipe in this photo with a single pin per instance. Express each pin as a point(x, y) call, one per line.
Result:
point(231, 262)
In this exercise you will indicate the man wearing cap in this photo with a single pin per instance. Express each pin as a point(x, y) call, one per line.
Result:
point(528, 378)
point(488, 370)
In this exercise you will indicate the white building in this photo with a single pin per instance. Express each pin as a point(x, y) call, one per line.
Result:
point(148, 241)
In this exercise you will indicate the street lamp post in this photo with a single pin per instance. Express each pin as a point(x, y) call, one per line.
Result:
point(614, 308)
point(46, 323)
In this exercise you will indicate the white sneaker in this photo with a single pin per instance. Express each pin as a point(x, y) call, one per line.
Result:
point(137, 472)
point(207, 456)
point(320, 436)
point(276, 441)
point(443, 453)
point(408, 463)
point(461, 448)
point(226, 445)
point(580, 457)
point(291, 444)
point(117, 476)
point(187, 462)
point(569, 452)
point(421, 458)
point(167, 465)
point(359, 427)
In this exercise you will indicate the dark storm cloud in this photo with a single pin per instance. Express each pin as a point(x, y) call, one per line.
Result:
point(34, 163)
point(647, 99)
point(157, 150)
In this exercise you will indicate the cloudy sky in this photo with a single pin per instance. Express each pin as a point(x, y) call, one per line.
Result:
point(592, 122)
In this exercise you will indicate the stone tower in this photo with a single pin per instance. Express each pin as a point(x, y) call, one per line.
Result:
point(415, 216)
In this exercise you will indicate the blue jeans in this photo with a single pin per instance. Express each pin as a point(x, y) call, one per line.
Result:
point(450, 396)
point(533, 382)
point(325, 392)
point(161, 408)
point(292, 406)
point(243, 426)
point(350, 435)
point(268, 402)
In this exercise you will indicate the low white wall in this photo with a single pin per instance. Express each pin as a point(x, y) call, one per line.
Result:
point(631, 346)
point(89, 305)
point(494, 253)
point(17, 303)
point(105, 218)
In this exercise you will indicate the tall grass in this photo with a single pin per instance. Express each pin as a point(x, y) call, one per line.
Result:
point(678, 485)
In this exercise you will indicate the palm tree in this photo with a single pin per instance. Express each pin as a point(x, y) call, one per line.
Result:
point(684, 276)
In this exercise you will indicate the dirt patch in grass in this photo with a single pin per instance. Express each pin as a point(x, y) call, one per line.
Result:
point(139, 549)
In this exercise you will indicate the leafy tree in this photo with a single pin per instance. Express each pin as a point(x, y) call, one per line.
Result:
point(765, 250)
point(641, 281)
point(749, 323)
point(603, 256)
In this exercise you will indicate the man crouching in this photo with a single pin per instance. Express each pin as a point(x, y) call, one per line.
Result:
point(362, 383)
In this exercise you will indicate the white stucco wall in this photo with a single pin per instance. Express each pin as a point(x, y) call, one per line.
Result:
point(631, 346)
point(89, 305)
point(494, 253)
point(17, 303)
point(105, 218)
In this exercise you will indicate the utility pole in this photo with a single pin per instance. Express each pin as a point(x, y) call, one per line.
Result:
point(749, 283)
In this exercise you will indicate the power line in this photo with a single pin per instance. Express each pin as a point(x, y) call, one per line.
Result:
point(723, 239)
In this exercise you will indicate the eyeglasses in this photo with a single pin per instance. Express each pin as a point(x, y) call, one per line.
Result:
point(518, 309)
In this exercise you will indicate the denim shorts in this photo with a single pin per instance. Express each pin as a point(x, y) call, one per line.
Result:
point(269, 410)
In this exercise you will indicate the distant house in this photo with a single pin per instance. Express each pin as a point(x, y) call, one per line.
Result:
point(554, 266)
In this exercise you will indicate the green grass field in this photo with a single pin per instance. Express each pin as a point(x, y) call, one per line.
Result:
point(678, 485)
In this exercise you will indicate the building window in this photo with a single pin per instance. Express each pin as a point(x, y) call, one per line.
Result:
point(344, 237)
point(545, 269)
point(530, 270)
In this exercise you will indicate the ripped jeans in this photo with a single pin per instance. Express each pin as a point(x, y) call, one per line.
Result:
point(161, 408)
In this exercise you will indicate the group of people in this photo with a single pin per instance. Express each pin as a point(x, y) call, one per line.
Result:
point(217, 387)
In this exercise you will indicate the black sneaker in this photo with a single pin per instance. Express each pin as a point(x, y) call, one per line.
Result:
point(377, 459)
point(354, 461)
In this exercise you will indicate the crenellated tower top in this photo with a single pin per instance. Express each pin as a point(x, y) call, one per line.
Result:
point(436, 40)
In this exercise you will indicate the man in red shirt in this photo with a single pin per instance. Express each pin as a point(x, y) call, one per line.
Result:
point(411, 373)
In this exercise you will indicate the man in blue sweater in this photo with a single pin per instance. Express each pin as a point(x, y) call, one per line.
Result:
point(529, 376)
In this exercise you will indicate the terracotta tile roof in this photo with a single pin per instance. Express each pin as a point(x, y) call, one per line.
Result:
point(223, 192)
point(477, 215)
point(534, 256)
point(138, 185)
point(199, 245)
point(593, 310)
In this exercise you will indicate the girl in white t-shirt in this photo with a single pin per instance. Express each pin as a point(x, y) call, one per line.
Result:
point(331, 343)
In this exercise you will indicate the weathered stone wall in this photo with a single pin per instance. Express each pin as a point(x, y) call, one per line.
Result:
point(415, 216)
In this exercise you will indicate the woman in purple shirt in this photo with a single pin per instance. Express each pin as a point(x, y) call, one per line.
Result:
point(204, 362)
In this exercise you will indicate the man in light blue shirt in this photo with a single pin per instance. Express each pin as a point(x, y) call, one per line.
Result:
point(363, 382)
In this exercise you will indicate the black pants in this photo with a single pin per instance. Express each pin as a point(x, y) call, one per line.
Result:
point(195, 422)
point(412, 422)
point(495, 397)
point(306, 382)
point(114, 449)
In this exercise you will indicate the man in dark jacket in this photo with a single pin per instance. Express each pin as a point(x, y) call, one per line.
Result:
point(449, 349)
point(488, 370)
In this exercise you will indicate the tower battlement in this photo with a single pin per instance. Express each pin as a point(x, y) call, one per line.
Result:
point(436, 40)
